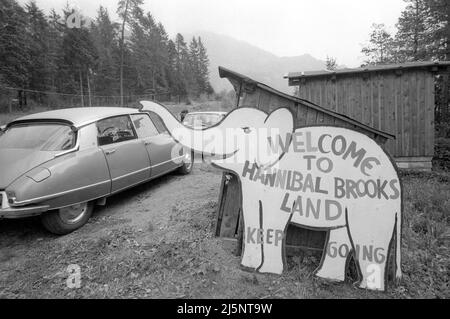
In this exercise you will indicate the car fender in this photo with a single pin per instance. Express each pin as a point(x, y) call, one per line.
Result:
point(66, 180)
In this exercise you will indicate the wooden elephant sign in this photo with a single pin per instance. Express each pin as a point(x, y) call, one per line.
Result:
point(319, 177)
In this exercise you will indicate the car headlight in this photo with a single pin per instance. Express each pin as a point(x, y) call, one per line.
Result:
point(11, 197)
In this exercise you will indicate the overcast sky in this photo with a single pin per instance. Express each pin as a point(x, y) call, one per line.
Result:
point(336, 28)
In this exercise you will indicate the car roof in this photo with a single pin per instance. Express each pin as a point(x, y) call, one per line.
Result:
point(78, 116)
point(207, 112)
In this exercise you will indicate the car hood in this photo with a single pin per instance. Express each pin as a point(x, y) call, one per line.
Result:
point(16, 162)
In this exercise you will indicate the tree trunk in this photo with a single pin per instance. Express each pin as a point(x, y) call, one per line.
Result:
point(89, 89)
point(81, 89)
point(122, 43)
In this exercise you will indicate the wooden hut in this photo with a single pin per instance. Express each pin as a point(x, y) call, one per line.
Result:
point(397, 99)
point(250, 93)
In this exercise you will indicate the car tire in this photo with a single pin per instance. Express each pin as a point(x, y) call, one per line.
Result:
point(188, 163)
point(65, 220)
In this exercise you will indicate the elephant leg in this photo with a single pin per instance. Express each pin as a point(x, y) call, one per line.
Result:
point(275, 224)
point(335, 256)
point(371, 239)
point(251, 257)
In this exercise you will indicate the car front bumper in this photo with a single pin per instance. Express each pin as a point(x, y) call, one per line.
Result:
point(8, 212)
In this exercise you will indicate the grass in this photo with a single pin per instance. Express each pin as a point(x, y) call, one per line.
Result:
point(426, 233)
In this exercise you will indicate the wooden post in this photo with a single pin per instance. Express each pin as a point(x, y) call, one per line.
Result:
point(220, 206)
point(229, 206)
point(240, 235)
point(238, 97)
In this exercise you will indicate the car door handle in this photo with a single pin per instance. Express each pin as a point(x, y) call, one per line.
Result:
point(146, 143)
point(109, 152)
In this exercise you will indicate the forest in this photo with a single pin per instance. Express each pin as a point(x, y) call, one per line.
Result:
point(67, 57)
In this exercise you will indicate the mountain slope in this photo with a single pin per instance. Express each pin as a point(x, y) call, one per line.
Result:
point(252, 61)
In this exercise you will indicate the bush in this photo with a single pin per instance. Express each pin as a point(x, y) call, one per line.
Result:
point(203, 98)
point(441, 160)
point(5, 99)
point(443, 129)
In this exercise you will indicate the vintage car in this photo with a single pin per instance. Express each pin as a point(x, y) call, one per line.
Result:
point(203, 119)
point(59, 164)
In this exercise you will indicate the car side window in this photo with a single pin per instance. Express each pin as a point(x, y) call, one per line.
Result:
point(114, 130)
point(158, 122)
point(143, 125)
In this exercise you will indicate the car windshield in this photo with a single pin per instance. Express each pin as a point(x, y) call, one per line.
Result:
point(42, 137)
point(202, 119)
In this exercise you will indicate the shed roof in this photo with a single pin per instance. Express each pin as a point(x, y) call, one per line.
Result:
point(432, 66)
point(237, 77)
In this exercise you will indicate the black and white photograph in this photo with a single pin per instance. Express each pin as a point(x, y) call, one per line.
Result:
point(239, 152)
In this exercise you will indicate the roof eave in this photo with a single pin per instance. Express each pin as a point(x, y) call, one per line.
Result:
point(392, 67)
point(226, 73)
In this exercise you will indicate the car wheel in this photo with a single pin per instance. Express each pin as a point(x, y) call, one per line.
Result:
point(66, 220)
point(188, 163)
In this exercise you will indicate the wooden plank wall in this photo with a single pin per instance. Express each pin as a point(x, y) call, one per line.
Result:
point(304, 114)
point(400, 104)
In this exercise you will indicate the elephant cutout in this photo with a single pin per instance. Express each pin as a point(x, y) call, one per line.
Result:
point(319, 177)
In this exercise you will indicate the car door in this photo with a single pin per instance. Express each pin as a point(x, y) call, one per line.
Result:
point(126, 155)
point(159, 143)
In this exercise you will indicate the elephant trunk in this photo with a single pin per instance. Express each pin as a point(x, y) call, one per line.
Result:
point(202, 141)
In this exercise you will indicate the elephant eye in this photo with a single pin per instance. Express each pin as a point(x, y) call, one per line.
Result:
point(247, 130)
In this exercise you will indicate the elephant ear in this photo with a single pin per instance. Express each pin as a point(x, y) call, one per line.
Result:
point(279, 126)
point(280, 118)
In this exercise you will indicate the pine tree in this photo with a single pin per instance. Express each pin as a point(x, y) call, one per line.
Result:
point(413, 36)
point(205, 85)
point(104, 35)
point(439, 23)
point(423, 34)
point(125, 7)
point(145, 52)
point(381, 47)
point(176, 84)
point(193, 69)
point(182, 65)
point(54, 53)
point(79, 56)
point(331, 63)
point(140, 54)
point(15, 58)
point(162, 59)
point(38, 33)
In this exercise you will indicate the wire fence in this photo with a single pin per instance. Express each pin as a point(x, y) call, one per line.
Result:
point(19, 99)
